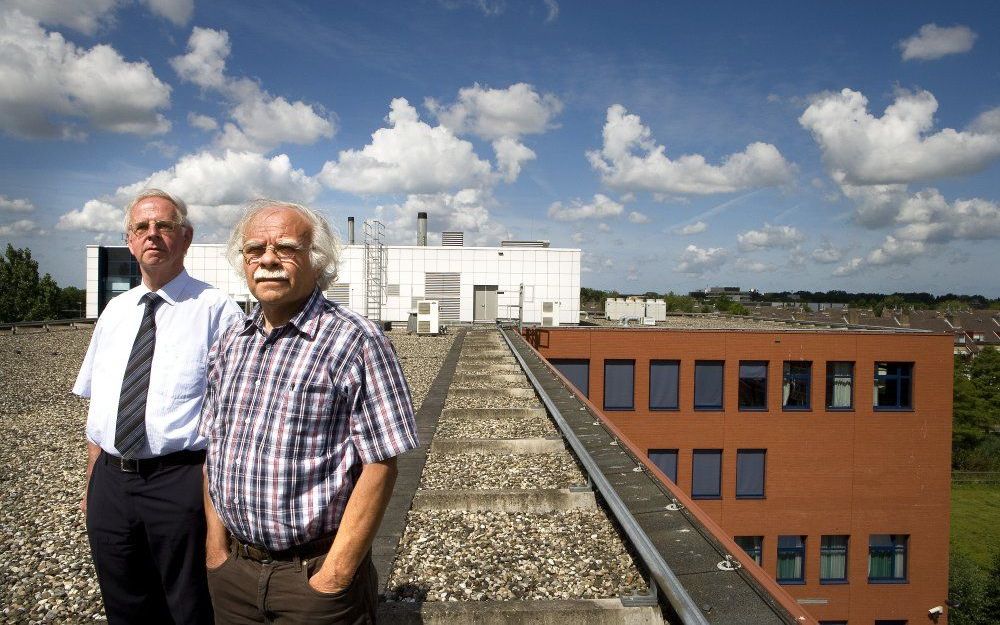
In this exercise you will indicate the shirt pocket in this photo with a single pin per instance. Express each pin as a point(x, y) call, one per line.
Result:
point(307, 416)
point(185, 375)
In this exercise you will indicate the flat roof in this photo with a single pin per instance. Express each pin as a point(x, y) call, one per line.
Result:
point(713, 321)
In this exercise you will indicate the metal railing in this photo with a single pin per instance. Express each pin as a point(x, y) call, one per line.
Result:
point(46, 326)
point(664, 577)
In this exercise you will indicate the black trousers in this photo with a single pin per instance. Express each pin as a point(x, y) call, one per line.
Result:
point(147, 539)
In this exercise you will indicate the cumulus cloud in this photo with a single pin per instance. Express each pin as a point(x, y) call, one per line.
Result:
point(601, 206)
point(827, 253)
point(177, 11)
point(491, 114)
point(695, 228)
point(933, 42)
point(409, 156)
point(553, 8)
point(630, 160)
point(215, 186)
point(769, 237)
point(696, 261)
point(202, 122)
point(46, 83)
point(638, 218)
point(928, 216)
point(261, 121)
point(510, 156)
point(896, 148)
point(85, 16)
point(467, 211)
point(753, 266)
point(19, 227)
point(15, 205)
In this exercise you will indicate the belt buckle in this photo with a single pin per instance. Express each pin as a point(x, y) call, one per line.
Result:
point(129, 465)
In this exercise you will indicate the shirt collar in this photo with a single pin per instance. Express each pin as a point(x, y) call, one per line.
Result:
point(170, 292)
point(305, 321)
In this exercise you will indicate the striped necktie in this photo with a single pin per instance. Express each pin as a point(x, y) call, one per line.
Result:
point(130, 431)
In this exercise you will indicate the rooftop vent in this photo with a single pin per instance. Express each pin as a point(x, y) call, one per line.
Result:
point(453, 239)
point(524, 243)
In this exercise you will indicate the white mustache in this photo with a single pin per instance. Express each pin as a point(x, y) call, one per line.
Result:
point(270, 274)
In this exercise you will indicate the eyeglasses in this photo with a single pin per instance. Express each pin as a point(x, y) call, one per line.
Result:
point(163, 226)
point(255, 250)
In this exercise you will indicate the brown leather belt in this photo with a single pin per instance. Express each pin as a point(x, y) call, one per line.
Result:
point(148, 465)
point(311, 549)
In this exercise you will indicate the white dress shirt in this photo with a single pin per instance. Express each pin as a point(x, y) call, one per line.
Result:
point(193, 314)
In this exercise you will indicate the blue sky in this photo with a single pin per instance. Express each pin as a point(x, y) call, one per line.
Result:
point(783, 145)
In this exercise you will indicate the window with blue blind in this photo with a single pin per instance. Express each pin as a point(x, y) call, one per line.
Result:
point(753, 385)
point(666, 461)
point(796, 382)
point(619, 384)
point(708, 384)
point(663, 384)
point(893, 386)
point(706, 474)
point(833, 559)
point(577, 371)
point(887, 558)
point(753, 545)
point(791, 559)
point(750, 473)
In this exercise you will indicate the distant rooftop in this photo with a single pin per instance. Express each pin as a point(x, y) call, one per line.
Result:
point(713, 321)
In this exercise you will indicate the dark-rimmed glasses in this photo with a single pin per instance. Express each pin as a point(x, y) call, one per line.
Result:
point(253, 251)
point(163, 226)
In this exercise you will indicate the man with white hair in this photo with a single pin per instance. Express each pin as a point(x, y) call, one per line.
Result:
point(306, 410)
point(145, 376)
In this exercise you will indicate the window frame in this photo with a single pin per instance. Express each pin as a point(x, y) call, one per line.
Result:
point(801, 550)
point(897, 407)
point(675, 452)
point(894, 579)
point(825, 550)
point(695, 453)
point(677, 406)
point(785, 375)
point(739, 378)
point(830, 377)
point(722, 387)
point(763, 477)
point(756, 551)
point(604, 389)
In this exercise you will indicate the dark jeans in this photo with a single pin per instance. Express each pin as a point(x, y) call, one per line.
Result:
point(247, 591)
point(147, 538)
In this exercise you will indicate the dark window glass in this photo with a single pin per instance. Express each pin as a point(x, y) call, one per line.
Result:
point(893, 385)
point(750, 472)
point(576, 371)
point(887, 557)
point(791, 558)
point(706, 474)
point(833, 559)
point(839, 385)
point(795, 387)
point(619, 380)
point(753, 386)
point(753, 545)
point(708, 384)
point(663, 376)
point(833, 623)
point(666, 461)
point(892, 622)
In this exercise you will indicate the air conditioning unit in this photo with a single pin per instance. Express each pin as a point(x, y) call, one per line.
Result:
point(550, 314)
point(427, 317)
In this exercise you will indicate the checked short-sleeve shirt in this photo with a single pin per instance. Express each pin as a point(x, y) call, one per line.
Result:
point(291, 416)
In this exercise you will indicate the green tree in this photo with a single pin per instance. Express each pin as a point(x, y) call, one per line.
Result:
point(967, 585)
point(46, 304)
point(72, 302)
point(18, 284)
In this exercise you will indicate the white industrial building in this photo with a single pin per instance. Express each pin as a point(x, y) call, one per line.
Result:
point(386, 282)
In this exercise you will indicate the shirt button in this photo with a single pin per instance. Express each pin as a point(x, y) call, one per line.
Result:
point(256, 383)
point(236, 499)
point(247, 420)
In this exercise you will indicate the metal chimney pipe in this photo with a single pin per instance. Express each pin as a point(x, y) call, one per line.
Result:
point(350, 230)
point(422, 229)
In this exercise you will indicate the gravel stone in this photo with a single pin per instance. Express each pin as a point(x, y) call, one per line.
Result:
point(489, 401)
point(500, 471)
point(495, 428)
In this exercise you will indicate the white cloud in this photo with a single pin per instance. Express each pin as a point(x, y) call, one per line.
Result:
point(827, 253)
point(894, 251)
point(47, 82)
point(696, 261)
point(988, 122)
point(408, 157)
point(494, 113)
point(861, 149)
point(21, 226)
point(933, 42)
point(15, 205)
point(578, 237)
point(603, 227)
point(510, 156)
point(850, 268)
point(601, 206)
point(753, 266)
point(467, 211)
point(215, 186)
point(928, 216)
point(875, 206)
point(85, 16)
point(202, 122)
point(177, 11)
point(261, 121)
point(769, 237)
point(553, 8)
point(630, 160)
point(695, 228)
point(638, 218)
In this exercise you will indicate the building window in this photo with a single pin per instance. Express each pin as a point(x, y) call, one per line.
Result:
point(890, 622)
point(750, 473)
point(663, 380)
point(795, 388)
point(577, 371)
point(839, 385)
point(706, 474)
point(708, 384)
point(753, 385)
point(893, 385)
point(887, 558)
point(663, 384)
point(753, 545)
point(666, 461)
point(833, 559)
point(619, 378)
point(791, 559)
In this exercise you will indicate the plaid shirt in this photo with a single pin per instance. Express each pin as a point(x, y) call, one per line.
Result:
point(291, 416)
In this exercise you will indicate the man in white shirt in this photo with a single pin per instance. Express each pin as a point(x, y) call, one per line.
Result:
point(145, 375)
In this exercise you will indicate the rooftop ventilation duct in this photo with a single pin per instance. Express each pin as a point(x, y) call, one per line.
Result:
point(422, 229)
point(453, 239)
point(350, 230)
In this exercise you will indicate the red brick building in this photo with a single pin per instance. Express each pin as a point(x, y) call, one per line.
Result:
point(826, 454)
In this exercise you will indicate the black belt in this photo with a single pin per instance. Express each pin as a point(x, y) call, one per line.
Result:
point(311, 549)
point(147, 465)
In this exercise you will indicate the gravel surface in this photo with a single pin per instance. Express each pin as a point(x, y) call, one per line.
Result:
point(454, 555)
point(491, 401)
point(421, 358)
point(480, 470)
point(495, 428)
